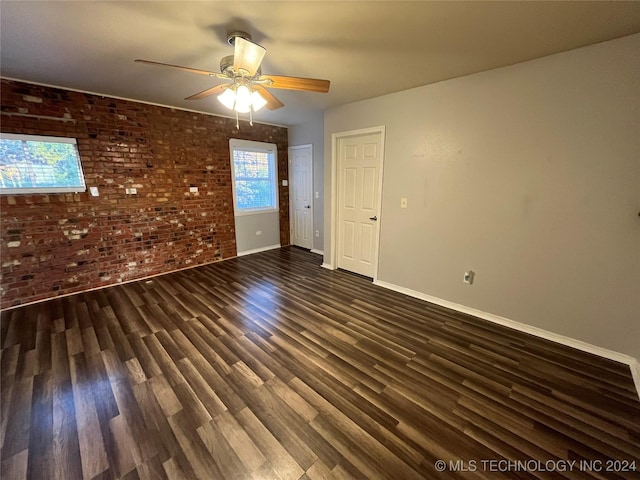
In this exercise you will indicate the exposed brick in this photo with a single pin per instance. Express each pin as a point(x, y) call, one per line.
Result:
point(57, 244)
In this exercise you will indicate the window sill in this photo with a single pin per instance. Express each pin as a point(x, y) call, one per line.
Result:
point(255, 212)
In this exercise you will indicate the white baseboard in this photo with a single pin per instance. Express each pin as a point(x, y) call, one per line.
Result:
point(258, 250)
point(633, 363)
point(328, 266)
point(319, 252)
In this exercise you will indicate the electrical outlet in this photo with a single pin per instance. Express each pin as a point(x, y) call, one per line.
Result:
point(317, 233)
point(468, 277)
point(258, 232)
point(403, 202)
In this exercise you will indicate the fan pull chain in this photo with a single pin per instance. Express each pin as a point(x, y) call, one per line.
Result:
point(251, 116)
point(237, 121)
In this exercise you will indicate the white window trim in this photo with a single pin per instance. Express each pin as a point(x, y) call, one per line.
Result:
point(237, 144)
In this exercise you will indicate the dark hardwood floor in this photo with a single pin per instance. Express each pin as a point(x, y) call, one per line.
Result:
point(270, 367)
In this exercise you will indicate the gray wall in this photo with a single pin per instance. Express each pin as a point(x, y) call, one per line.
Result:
point(248, 225)
point(312, 132)
point(530, 176)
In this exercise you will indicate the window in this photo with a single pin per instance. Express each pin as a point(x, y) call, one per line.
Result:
point(255, 182)
point(34, 164)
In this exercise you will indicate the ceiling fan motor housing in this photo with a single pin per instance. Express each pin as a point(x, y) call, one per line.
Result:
point(226, 67)
point(226, 64)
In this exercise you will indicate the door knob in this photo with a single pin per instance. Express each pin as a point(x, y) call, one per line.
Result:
point(374, 218)
point(307, 206)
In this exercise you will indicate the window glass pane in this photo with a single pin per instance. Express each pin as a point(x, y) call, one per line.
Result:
point(253, 194)
point(251, 164)
point(254, 176)
point(31, 164)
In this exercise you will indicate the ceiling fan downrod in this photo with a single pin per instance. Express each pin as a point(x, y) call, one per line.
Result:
point(231, 36)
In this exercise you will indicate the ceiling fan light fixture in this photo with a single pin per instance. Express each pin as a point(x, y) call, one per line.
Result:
point(228, 98)
point(243, 99)
point(257, 101)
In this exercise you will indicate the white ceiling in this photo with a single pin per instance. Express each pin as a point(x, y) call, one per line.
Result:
point(366, 48)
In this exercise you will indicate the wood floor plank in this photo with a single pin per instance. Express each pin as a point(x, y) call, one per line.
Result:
point(157, 428)
point(225, 457)
point(142, 447)
point(217, 381)
point(166, 364)
point(318, 471)
point(90, 343)
point(144, 358)
point(41, 461)
point(8, 366)
point(165, 396)
point(362, 450)
point(174, 470)
point(292, 399)
point(203, 340)
point(74, 341)
point(66, 450)
point(283, 424)
point(152, 470)
point(93, 454)
point(281, 461)
point(16, 438)
point(120, 447)
point(247, 451)
point(15, 466)
point(203, 390)
point(268, 366)
point(195, 451)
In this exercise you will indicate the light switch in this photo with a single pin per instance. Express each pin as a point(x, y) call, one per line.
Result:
point(403, 202)
point(317, 194)
point(285, 183)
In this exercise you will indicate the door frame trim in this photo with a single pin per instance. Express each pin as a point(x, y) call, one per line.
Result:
point(291, 206)
point(335, 138)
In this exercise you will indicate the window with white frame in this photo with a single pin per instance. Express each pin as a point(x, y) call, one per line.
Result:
point(254, 175)
point(37, 164)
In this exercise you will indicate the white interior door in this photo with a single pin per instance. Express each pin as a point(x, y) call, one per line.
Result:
point(300, 164)
point(359, 169)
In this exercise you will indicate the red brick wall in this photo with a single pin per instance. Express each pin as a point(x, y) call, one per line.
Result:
point(61, 243)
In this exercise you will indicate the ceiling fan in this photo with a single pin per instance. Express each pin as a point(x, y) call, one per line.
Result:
point(247, 91)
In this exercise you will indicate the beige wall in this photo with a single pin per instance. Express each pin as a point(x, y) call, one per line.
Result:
point(530, 176)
